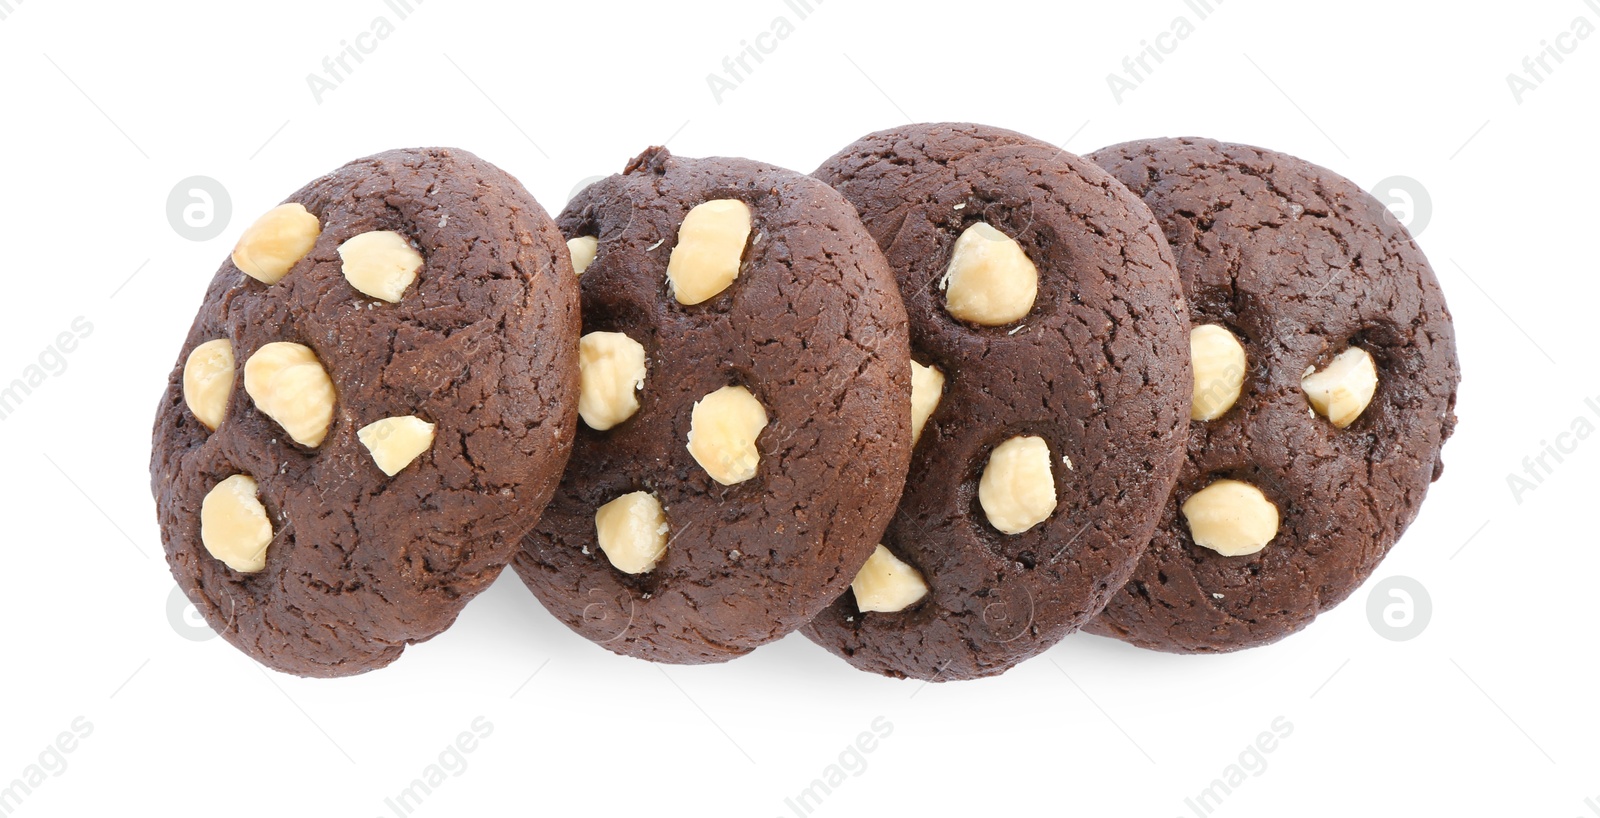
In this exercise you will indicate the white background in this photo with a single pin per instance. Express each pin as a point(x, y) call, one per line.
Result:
point(1490, 711)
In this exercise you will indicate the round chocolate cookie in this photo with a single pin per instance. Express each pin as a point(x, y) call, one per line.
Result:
point(372, 407)
point(745, 412)
point(1325, 384)
point(1049, 330)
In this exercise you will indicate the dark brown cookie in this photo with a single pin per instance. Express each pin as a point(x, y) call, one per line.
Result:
point(810, 337)
point(334, 566)
point(1299, 265)
point(1097, 369)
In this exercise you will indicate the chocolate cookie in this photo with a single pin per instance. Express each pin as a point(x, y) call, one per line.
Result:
point(1325, 386)
point(1049, 330)
point(372, 407)
point(746, 410)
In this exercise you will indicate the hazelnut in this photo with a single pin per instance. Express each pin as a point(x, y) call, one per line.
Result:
point(612, 369)
point(1219, 369)
point(381, 264)
point(1232, 518)
point(276, 241)
point(395, 442)
point(233, 525)
point(722, 434)
point(990, 281)
point(1342, 391)
point(1018, 489)
point(632, 530)
point(583, 250)
point(289, 385)
point(927, 389)
point(710, 248)
point(886, 584)
point(208, 381)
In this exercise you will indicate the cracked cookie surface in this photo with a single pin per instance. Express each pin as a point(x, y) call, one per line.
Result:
point(1299, 264)
point(712, 549)
point(1096, 368)
point(462, 380)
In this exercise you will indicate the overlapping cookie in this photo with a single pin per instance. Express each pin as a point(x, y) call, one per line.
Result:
point(1325, 384)
point(373, 405)
point(746, 410)
point(1051, 397)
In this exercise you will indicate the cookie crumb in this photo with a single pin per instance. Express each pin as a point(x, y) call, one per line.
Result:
point(1216, 596)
